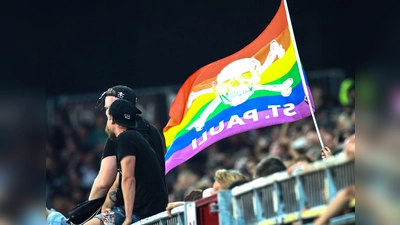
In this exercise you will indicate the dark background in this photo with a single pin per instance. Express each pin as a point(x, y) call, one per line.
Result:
point(73, 47)
point(98, 44)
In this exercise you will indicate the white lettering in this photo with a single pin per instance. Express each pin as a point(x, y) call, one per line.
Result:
point(288, 109)
point(194, 144)
point(274, 110)
point(251, 114)
point(220, 128)
point(205, 138)
point(235, 119)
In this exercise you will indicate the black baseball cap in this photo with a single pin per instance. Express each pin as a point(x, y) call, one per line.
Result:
point(121, 92)
point(123, 112)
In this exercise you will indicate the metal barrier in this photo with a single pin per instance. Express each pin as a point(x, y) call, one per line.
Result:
point(277, 199)
point(281, 198)
point(163, 218)
point(204, 210)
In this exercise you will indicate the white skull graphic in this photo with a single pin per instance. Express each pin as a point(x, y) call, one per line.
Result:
point(238, 81)
point(235, 83)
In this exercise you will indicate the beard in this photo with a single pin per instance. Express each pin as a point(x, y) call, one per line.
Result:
point(111, 134)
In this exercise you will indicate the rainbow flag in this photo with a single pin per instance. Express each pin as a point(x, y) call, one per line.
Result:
point(261, 85)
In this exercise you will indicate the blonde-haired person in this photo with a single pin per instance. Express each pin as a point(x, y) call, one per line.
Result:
point(225, 178)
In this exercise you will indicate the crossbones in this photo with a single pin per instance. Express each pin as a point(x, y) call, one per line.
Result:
point(238, 81)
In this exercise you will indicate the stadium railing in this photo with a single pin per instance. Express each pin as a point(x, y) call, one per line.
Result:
point(277, 199)
point(282, 198)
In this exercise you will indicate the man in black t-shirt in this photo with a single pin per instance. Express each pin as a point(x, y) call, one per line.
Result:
point(140, 178)
point(107, 173)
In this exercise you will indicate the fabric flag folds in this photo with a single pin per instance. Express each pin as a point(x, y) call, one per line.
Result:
point(261, 85)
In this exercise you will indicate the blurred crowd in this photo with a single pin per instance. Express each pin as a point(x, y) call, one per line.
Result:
point(74, 148)
point(296, 144)
point(73, 156)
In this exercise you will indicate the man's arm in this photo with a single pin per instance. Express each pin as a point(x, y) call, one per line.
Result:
point(111, 196)
point(128, 183)
point(105, 178)
point(172, 205)
point(339, 203)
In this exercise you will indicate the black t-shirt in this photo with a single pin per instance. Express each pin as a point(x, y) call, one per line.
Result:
point(155, 140)
point(151, 193)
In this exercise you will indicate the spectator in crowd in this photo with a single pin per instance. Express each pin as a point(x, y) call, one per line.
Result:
point(340, 203)
point(208, 192)
point(313, 145)
point(193, 196)
point(237, 183)
point(184, 184)
point(348, 149)
point(107, 171)
point(224, 178)
point(299, 162)
point(74, 144)
point(329, 138)
point(138, 190)
point(223, 181)
point(350, 146)
point(267, 166)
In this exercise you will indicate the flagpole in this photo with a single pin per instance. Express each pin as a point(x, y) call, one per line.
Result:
point(301, 73)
